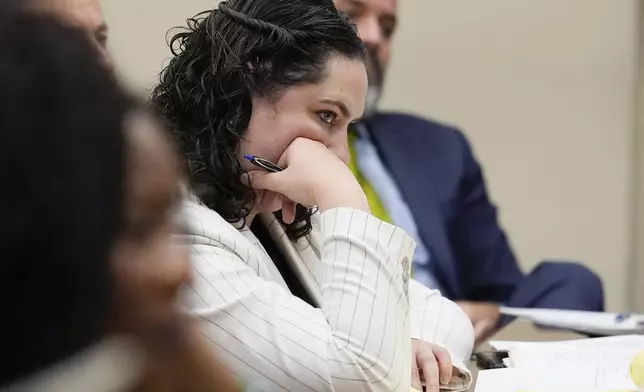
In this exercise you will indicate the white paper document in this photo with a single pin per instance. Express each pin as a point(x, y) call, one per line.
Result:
point(626, 341)
point(522, 380)
point(588, 365)
point(598, 323)
point(496, 380)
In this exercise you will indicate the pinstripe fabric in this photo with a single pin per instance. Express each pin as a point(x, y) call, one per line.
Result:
point(357, 270)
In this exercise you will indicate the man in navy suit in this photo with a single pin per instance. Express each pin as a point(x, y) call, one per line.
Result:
point(423, 176)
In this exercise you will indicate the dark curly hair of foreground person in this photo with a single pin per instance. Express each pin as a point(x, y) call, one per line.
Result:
point(62, 173)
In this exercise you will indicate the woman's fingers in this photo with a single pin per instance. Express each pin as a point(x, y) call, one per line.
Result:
point(435, 365)
point(415, 377)
point(258, 180)
point(312, 176)
point(263, 180)
point(445, 365)
point(288, 211)
point(431, 374)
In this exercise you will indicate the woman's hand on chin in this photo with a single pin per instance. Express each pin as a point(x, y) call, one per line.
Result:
point(313, 176)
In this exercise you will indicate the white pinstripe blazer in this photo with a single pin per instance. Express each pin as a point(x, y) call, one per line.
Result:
point(357, 269)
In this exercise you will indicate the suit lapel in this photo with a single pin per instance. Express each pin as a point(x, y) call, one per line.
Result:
point(302, 257)
point(416, 189)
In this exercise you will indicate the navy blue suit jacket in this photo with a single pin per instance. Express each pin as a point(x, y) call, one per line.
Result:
point(441, 181)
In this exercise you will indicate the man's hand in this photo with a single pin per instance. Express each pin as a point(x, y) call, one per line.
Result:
point(430, 363)
point(484, 317)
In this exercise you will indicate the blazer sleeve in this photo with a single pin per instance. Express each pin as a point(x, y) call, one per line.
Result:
point(489, 269)
point(360, 338)
point(437, 320)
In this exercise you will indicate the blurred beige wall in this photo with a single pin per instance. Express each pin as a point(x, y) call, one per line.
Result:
point(637, 235)
point(544, 89)
point(138, 31)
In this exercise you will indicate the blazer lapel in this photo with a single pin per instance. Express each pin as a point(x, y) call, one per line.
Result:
point(416, 189)
point(302, 257)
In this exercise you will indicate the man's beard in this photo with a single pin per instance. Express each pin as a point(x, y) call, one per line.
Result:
point(372, 99)
point(375, 74)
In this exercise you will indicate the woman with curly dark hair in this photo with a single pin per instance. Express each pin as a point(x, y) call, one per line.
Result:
point(282, 80)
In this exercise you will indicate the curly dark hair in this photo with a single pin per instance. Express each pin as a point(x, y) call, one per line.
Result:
point(224, 58)
point(62, 170)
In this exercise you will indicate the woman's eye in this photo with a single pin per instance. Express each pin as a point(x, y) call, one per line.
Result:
point(326, 116)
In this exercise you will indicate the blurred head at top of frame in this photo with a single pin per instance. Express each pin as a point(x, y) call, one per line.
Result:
point(250, 77)
point(83, 14)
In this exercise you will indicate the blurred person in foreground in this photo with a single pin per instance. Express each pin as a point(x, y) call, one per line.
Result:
point(422, 175)
point(282, 80)
point(89, 184)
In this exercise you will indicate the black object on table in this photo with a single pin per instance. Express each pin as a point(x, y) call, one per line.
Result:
point(490, 359)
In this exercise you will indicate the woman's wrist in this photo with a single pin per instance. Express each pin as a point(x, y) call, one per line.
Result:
point(348, 197)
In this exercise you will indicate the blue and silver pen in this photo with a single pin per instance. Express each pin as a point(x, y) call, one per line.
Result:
point(263, 163)
point(622, 317)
